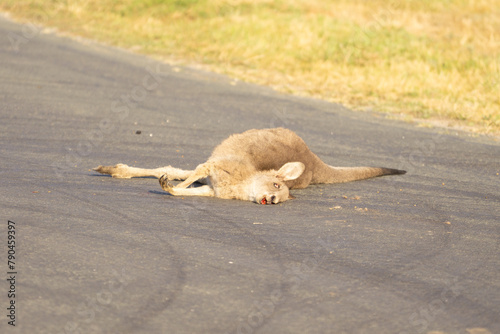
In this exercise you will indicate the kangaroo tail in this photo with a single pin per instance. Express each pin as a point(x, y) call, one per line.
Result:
point(332, 174)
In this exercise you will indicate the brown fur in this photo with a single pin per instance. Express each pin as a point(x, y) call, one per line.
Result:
point(256, 165)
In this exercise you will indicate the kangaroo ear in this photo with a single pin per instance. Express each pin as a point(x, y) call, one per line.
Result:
point(290, 171)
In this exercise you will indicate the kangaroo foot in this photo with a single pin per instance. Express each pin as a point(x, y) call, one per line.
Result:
point(119, 171)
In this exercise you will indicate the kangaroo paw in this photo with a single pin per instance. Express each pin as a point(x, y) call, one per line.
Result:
point(119, 171)
point(165, 183)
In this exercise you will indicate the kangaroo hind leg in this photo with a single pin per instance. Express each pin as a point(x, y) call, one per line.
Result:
point(123, 171)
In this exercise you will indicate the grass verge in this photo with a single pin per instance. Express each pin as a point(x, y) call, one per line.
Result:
point(437, 60)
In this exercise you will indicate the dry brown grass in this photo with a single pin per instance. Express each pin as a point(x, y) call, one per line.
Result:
point(436, 60)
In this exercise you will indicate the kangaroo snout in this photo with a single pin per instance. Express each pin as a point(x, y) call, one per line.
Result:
point(269, 199)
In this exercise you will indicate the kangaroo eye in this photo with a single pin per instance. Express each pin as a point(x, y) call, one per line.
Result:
point(277, 186)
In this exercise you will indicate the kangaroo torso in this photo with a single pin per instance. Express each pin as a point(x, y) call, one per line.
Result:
point(270, 149)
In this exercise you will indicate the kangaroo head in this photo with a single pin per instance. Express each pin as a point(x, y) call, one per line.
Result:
point(269, 187)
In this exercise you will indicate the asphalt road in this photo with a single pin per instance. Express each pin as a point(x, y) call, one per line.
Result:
point(417, 253)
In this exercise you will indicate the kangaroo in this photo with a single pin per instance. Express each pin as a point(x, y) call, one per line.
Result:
point(257, 165)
